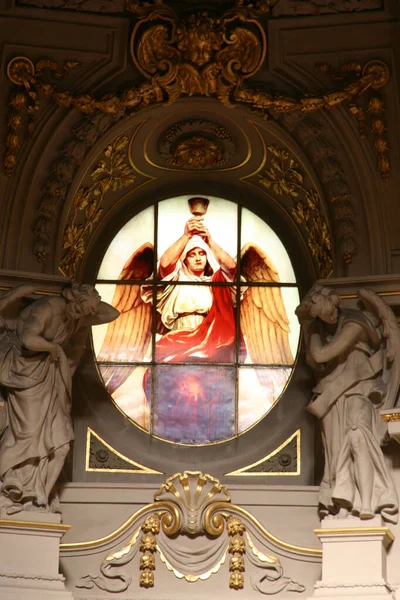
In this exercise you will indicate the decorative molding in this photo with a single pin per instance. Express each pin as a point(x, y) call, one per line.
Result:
point(198, 507)
point(112, 172)
point(103, 458)
point(283, 461)
point(35, 525)
point(284, 177)
point(286, 8)
point(207, 56)
point(197, 144)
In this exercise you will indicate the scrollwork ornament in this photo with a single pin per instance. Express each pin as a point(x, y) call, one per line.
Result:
point(113, 172)
point(284, 177)
point(198, 507)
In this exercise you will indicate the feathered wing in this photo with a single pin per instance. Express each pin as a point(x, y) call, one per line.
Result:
point(390, 334)
point(264, 321)
point(128, 337)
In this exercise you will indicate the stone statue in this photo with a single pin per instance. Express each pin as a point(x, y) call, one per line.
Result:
point(355, 354)
point(41, 343)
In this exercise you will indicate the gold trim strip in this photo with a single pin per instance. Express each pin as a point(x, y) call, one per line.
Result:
point(34, 525)
point(155, 506)
point(272, 538)
point(242, 472)
point(140, 470)
point(357, 530)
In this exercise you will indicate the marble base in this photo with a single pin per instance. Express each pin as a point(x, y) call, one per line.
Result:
point(29, 557)
point(353, 559)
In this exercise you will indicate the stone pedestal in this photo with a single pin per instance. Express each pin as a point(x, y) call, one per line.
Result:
point(29, 557)
point(354, 559)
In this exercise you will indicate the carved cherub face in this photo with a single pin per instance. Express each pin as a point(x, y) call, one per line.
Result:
point(199, 40)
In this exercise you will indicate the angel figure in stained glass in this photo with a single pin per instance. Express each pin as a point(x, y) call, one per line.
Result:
point(196, 324)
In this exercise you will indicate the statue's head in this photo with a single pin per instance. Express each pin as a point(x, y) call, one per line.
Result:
point(82, 300)
point(321, 302)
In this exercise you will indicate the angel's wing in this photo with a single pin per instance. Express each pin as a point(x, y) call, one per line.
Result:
point(390, 333)
point(128, 337)
point(264, 321)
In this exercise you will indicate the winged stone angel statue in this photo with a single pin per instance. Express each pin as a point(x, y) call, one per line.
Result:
point(355, 354)
point(196, 323)
point(41, 342)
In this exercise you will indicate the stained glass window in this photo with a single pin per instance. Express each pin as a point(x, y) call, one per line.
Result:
point(206, 338)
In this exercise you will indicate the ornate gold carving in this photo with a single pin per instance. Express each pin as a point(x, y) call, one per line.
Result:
point(113, 172)
point(284, 178)
point(148, 546)
point(23, 73)
point(390, 417)
point(196, 506)
point(200, 54)
point(197, 152)
point(196, 144)
point(237, 549)
point(377, 73)
point(194, 492)
point(210, 56)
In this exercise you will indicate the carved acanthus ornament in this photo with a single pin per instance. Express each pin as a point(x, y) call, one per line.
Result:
point(199, 508)
point(283, 176)
point(113, 172)
point(198, 55)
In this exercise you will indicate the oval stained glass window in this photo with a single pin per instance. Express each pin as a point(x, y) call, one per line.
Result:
point(206, 338)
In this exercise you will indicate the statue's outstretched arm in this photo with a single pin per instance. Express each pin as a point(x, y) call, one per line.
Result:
point(340, 342)
point(15, 294)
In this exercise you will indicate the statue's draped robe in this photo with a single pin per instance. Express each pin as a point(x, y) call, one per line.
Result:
point(356, 373)
point(39, 422)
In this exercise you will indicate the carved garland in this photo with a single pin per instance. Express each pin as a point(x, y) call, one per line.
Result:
point(285, 178)
point(113, 172)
